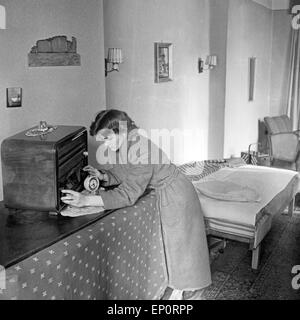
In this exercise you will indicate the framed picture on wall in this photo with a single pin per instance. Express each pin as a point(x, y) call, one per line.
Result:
point(252, 65)
point(163, 62)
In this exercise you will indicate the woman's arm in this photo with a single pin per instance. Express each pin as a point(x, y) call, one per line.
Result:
point(128, 192)
point(139, 172)
point(124, 195)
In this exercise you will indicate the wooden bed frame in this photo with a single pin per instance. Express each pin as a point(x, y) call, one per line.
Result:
point(259, 234)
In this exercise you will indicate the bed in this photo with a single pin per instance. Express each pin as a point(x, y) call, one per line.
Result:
point(247, 219)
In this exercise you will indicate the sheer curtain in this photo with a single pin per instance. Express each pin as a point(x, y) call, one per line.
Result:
point(293, 107)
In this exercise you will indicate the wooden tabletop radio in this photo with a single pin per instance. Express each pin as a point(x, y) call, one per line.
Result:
point(36, 167)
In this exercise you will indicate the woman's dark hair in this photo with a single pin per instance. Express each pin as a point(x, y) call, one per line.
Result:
point(110, 119)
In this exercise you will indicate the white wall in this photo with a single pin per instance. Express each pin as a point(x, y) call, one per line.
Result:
point(280, 62)
point(215, 102)
point(249, 35)
point(217, 81)
point(59, 95)
point(135, 25)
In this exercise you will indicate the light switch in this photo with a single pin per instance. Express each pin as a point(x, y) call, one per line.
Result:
point(13, 97)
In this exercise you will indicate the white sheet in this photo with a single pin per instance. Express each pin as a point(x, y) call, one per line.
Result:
point(268, 182)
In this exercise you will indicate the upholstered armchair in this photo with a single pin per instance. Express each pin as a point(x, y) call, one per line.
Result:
point(283, 143)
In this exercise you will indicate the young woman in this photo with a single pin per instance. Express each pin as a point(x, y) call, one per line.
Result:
point(139, 164)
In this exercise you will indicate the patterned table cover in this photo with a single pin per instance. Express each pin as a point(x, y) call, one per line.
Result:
point(120, 256)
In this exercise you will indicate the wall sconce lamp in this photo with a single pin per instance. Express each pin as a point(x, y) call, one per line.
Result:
point(114, 58)
point(211, 63)
point(2, 17)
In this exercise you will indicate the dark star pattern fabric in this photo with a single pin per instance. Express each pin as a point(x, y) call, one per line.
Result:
point(118, 257)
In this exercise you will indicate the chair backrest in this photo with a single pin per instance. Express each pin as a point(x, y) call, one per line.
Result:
point(279, 124)
point(285, 146)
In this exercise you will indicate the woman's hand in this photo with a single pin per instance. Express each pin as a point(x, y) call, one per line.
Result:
point(93, 172)
point(75, 199)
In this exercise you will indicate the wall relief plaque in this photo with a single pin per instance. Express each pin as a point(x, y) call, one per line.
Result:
point(55, 51)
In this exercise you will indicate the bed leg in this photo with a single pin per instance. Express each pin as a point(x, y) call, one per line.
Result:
point(255, 257)
point(291, 207)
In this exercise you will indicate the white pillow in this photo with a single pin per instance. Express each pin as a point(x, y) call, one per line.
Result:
point(227, 191)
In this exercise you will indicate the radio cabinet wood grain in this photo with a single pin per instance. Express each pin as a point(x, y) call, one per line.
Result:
point(36, 169)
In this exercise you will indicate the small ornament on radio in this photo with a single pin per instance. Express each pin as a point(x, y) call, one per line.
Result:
point(91, 183)
point(42, 129)
point(43, 126)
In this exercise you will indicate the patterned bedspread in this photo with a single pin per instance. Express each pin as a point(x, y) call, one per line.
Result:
point(118, 257)
point(197, 170)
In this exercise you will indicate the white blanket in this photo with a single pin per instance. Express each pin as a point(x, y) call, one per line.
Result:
point(267, 182)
